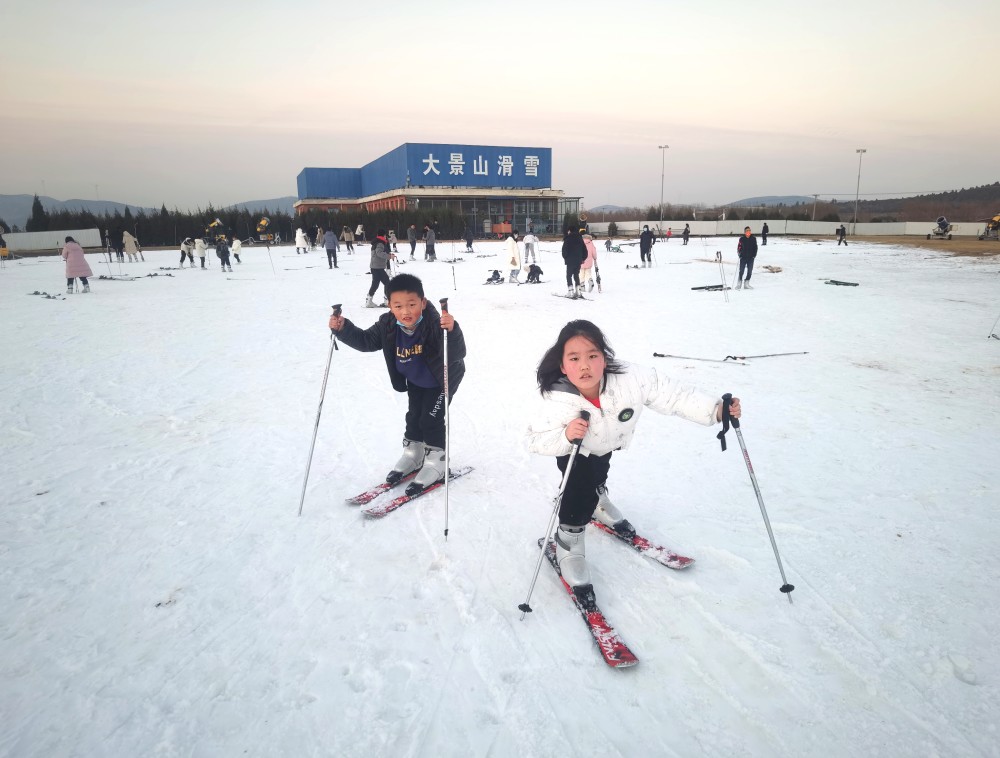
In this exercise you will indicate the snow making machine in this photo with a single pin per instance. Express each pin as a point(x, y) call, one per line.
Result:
point(216, 231)
point(942, 229)
point(992, 230)
point(262, 231)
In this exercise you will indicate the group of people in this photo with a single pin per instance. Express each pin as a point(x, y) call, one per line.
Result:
point(223, 249)
point(579, 373)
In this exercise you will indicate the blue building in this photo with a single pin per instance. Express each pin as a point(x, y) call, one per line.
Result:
point(496, 188)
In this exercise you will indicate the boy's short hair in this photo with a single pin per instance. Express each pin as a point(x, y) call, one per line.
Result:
point(746, 228)
point(404, 283)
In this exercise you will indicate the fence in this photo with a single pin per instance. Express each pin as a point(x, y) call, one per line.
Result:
point(54, 240)
point(784, 226)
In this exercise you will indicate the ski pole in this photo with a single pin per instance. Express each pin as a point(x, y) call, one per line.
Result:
point(322, 394)
point(454, 283)
point(726, 419)
point(525, 607)
point(273, 272)
point(447, 441)
point(993, 331)
point(722, 274)
point(768, 355)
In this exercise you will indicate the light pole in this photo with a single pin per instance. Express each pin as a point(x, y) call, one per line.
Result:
point(857, 193)
point(663, 165)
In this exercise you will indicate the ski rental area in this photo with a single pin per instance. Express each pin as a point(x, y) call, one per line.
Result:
point(160, 596)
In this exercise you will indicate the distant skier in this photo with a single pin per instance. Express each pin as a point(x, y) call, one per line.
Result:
point(347, 237)
point(530, 242)
point(222, 251)
point(411, 237)
point(763, 234)
point(330, 243)
point(76, 265)
point(410, 337)
point(430, 237)
point(841, 236)
point(587, 267)
point(392, 240)
point(687, 232)
point(646, 247)
point(746, 248)
point(513, 257)
point(187, 251)
point(132, 248)
point(301, 242)
point(574, 253)
point(235, 249)
point(201, 250)
point(379, 260)
point(580, 373)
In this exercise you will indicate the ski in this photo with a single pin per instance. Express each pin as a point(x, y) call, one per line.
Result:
point(658, 553)
point(370, 494)
point(568, 297)
point(613, 648)
point(383, 509)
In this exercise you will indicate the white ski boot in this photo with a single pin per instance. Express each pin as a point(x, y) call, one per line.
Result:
point(739, 284)
point(411, 459)
point(432, 471)
point(609, 515)
point(86, 288)
point(69, 290)
point(571, 555)
point(369, 303)
point(746, 285)
point(571, 292)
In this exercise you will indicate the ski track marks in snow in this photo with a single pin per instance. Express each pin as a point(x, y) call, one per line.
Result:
point(160, 597)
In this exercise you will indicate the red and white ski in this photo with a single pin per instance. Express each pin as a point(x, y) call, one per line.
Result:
point(382, 509)
point(368, 495)
point(613, 648)
point(658, 553)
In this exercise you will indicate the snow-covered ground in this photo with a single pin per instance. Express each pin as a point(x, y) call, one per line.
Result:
point(160, 597)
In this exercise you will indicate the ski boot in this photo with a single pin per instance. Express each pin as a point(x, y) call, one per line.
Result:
point(431, 472)
point(86, 288)
point(411, 460)
point(369, 303)
point(609, 515)
point(572, 561)
point(746, 285)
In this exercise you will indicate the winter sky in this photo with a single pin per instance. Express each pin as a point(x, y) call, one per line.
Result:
point(190, 102)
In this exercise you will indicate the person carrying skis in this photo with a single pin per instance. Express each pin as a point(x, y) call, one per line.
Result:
point(646, 247)
point(580, 373)
point(746, 249)
point(410, 338)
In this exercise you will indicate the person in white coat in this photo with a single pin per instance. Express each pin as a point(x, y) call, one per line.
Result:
point(513, 256)
point(201, 249)
point(580, 373)
point(301, 243)
point(187, 251)
point(235, 247)
point(132, 248)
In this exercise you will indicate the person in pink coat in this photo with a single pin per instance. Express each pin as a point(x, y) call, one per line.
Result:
point(587, 267)
point(76, 265)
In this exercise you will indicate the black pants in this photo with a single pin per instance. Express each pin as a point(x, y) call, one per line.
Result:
point(746, 264)
point(202, 257)
point(646, 256)
point(224, 258)
point(763, 239)
point(841, 240)
point(331, 256)
point(579, 499)
point(413, 247)
point(573, 274)
point(379, 275)
point(83, 281)
point(425, 414)
point(189, 256)
point(429, 253)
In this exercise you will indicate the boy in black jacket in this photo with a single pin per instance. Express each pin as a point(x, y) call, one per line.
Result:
point(410, 338)
point(747, 250)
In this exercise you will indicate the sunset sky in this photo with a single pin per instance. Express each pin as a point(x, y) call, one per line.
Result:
point(189, 103)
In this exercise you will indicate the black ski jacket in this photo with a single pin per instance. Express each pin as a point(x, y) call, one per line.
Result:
point(646, 241)
point(747, 247)
point(382, 336)
point(574, 250)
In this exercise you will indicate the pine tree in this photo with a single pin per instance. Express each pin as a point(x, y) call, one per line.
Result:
point(39, 221)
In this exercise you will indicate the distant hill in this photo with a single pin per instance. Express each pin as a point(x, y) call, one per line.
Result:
point(772, 200)
point(605, 209)
point(16, 209)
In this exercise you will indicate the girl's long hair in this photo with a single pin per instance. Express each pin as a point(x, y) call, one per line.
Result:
point(549, 371)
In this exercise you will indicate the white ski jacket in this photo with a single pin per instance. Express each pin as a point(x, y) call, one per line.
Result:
point(200, 247)
point(623, 396)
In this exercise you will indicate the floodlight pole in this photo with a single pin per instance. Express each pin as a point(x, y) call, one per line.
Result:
point(857, 193)
point(663, 167)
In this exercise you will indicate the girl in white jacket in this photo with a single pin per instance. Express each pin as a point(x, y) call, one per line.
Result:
point(235, 247)
point(301, 243)
point(580, 373)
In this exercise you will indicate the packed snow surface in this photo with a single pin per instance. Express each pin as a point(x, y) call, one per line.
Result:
point(159, 596)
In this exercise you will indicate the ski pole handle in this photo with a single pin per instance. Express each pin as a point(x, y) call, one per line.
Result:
point(333, 335)
point(585, 415)
point(727, 418)
point(444, 304)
